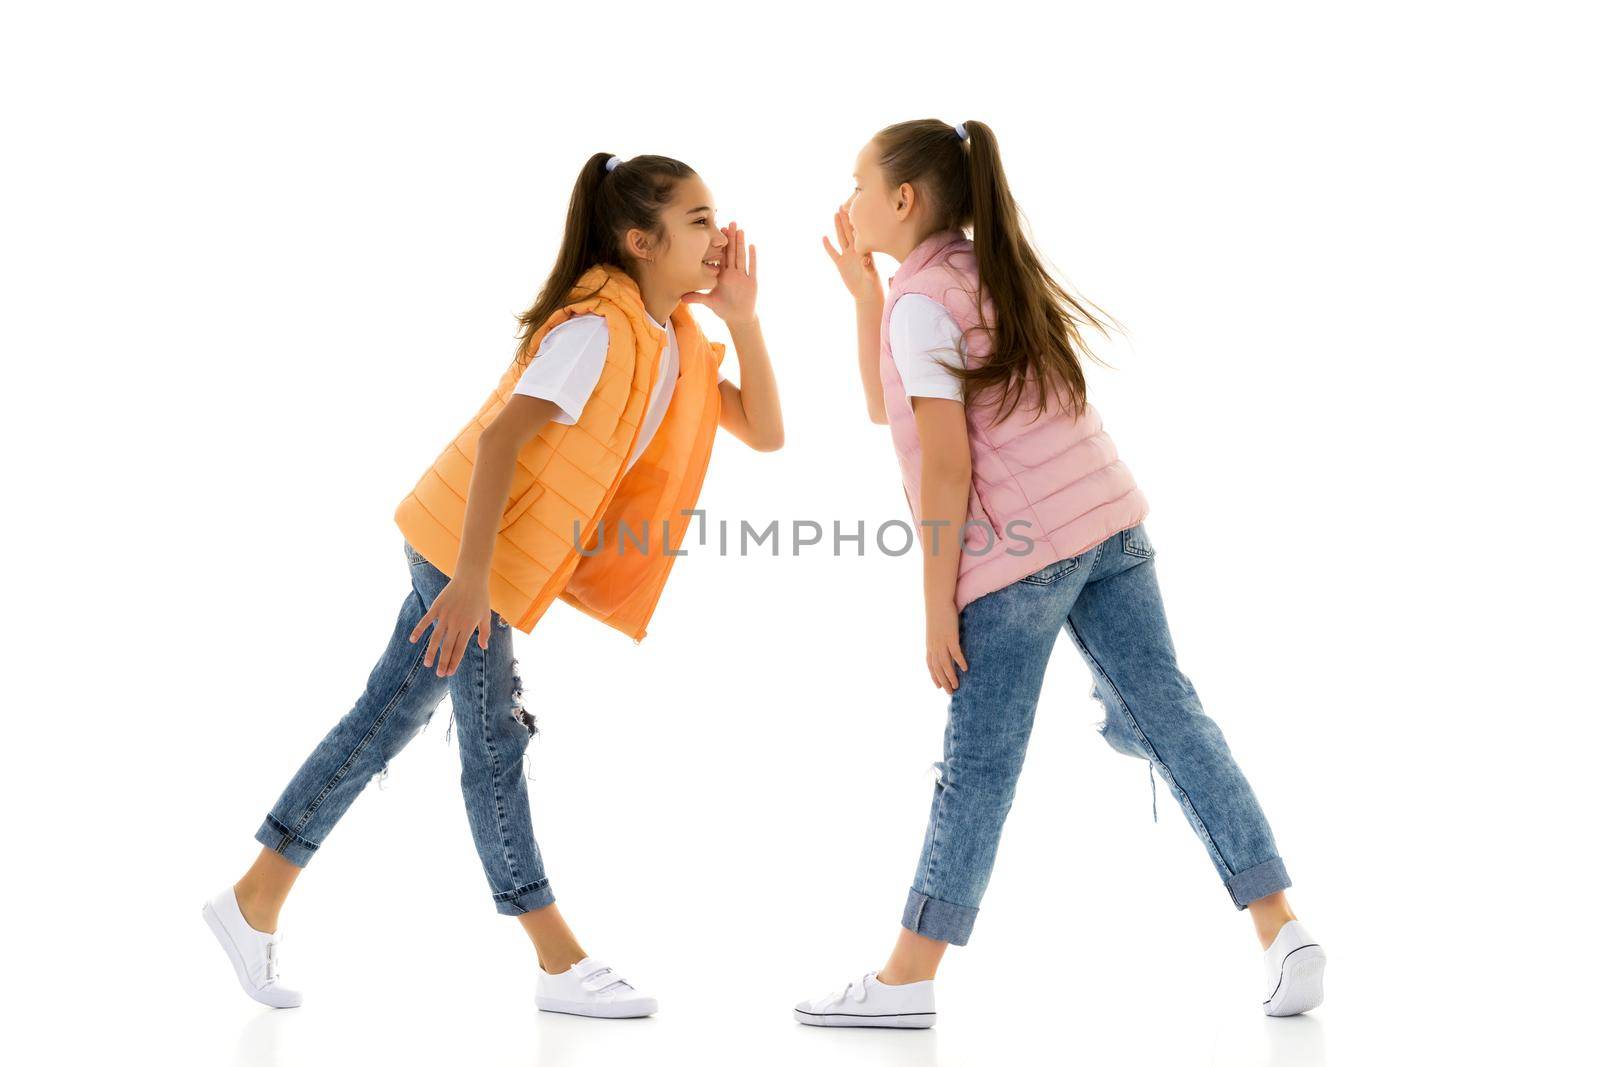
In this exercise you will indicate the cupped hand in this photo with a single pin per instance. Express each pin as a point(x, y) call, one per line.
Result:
point(856, 268)
point(733, 298)
point(461, 608)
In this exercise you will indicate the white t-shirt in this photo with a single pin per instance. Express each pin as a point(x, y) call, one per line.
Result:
point(567, 367)
point(923, 339)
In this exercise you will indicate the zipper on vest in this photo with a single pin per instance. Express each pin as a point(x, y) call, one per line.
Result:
point(655, 367)
point(707, 443)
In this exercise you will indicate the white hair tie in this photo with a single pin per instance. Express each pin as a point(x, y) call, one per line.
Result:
point(613, 163)
point(961, 130)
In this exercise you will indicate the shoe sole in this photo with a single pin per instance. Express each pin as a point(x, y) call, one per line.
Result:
point(214, 921)
point(914, 1021)
point(1299, 986)
point(593, 1011)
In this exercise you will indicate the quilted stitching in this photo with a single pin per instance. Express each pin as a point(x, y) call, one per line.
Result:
point(1060, 477)
point(575, 473)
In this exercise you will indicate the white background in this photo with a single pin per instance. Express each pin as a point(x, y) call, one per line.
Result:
point(261, 263)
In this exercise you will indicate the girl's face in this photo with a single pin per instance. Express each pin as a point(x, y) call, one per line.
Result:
point(878, 214)
point(689, 256)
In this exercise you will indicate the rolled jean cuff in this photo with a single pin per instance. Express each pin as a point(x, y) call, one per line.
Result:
point(938, 919)
point(291, 846)
point(530, 897)
point(1256, 882)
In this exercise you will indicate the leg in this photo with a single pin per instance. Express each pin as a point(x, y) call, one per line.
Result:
point(494, 730)
point(399, 697)
point(553, 940)
point(1006, 637)
point(1120, 628)
point(264, 888)
point(1269, 913)
point(915, 959)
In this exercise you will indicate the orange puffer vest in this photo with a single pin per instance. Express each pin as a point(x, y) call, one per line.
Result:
point(568, 478)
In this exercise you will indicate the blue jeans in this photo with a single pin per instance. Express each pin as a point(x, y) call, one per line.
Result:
point(400, 697)
point(1106, 598)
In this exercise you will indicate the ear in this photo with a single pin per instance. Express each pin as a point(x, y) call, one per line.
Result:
point(637, 244)
point(907, 200)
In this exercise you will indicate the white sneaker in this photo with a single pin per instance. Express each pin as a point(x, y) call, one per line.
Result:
point(254, 954)
point(1294, 971)
point(869, 1002)
point(589, 987)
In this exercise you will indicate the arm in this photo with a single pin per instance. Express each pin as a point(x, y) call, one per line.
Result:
point(750, 411)
point(921, 336)
point(555, 386)
point(869, 319)
point(518, 423)
point(462, 607)
point(946, 485)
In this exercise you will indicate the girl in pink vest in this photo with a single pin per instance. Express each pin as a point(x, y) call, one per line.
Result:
point(1029, 525)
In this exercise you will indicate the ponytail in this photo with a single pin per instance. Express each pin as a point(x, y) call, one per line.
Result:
point(1036, 344)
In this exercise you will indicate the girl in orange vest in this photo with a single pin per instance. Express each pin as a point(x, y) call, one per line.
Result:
point(599, 431)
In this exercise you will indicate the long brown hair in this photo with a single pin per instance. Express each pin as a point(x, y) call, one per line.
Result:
point(1035, 334)
point(605, 205)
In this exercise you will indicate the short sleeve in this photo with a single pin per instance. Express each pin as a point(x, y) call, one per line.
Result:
point(567, 365)
point(925, 341)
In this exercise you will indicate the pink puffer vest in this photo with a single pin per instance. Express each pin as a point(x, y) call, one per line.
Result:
point(1053, 480)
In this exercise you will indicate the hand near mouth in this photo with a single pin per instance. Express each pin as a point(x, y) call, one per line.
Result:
point(733, 297)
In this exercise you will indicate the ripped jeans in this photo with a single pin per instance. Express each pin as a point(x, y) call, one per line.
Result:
point(399, 699)
point(1107, 599)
